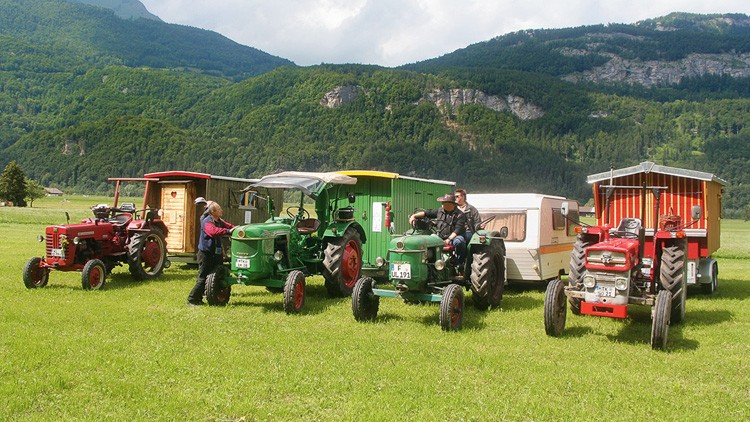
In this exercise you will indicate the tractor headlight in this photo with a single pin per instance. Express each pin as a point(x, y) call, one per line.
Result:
point(439, 265)
point(241, 233)
point(76, 240)
point(482, 239)
point(40, 238)
point(621, 283)
point(278, 256)
point(400, 245)
point(379, 261)
point(589, 281)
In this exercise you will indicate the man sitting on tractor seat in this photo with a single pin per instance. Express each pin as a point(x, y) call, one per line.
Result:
point(451, 224)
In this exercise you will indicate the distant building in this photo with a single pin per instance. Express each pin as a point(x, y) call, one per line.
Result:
point(53, 192)
point(586, 211)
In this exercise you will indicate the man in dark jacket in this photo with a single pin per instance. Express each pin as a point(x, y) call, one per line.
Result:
point(472, 214)
point(451, 224)
point(210, 253)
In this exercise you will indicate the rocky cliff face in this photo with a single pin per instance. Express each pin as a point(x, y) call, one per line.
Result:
point(341, 95)
point(651, 73)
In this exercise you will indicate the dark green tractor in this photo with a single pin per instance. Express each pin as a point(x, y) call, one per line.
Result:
point(281, 252)
point(423, 269)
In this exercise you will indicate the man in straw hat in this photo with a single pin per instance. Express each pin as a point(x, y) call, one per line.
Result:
point(451, 223)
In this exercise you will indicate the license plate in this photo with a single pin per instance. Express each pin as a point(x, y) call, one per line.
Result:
point(401, 271)
point(59, 253)
point(242, 263)
point(605, 291)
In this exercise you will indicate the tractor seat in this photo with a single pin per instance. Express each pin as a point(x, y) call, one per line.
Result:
point(448, 248)
point(308, 225)
point(120, 219)
point(630, 226)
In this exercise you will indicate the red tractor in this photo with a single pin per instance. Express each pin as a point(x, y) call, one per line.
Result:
point(613, 267)
point(115, 235)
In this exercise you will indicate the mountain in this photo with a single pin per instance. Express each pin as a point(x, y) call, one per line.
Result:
point(126, 9)
point(506, 115)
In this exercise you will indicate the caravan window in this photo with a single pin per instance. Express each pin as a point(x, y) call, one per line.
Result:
point(558, 220)
point(571, 222)
point(515, 221)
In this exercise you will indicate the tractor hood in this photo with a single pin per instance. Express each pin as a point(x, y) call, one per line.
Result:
point(612, 255)
point(418, 242)
point(310, 183)
point(260, 231)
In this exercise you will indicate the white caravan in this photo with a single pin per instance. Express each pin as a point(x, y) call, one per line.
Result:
point(540, 238)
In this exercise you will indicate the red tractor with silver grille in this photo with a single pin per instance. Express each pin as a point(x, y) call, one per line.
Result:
point(115, 235)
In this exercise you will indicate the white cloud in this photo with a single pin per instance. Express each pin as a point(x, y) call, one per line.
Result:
point(395, 32)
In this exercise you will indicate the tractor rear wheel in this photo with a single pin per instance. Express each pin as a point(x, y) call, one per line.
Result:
point(34, 275)
point(452, 308)
point(365, 303)
point(294, 292)
point(147, 254)
point(487, 279)
point(673, 277)
point(660, 320)
point(94, 275)
point(555, 308)
point(577, 267)
point(217, 294)
point(342, 263)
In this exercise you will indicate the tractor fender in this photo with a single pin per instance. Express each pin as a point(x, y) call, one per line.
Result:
point(338, 228)
point(706, 267)
point(491, 238)
point(143, 225)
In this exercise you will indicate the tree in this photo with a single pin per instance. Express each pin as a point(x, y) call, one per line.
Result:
point(34, 190)
point(13, 184)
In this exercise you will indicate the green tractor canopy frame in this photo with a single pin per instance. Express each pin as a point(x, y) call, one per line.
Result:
point(279, 253)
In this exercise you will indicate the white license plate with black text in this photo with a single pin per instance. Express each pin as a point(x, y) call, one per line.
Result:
point(605, 291)
point(242, 263)
point(59, 253)
point(401, 271)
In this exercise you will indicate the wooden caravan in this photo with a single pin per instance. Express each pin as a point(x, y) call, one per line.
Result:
point(681, 190)
point(175, 192)
point(539, 239)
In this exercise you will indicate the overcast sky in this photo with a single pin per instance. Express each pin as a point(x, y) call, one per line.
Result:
point(396, 32)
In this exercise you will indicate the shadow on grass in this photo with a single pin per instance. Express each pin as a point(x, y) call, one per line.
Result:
point(121, 281)
point(518, 302)
point(317, 300)
point(473, 318)
point(726, 289)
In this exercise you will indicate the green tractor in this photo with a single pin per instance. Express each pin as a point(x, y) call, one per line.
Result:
point(423, 269)
point(279, 253)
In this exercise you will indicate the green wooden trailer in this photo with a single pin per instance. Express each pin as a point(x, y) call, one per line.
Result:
point(384, 201)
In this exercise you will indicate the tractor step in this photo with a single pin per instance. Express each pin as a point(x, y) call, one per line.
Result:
point(604, 310)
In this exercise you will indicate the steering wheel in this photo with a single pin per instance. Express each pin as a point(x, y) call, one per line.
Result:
point(300, 212)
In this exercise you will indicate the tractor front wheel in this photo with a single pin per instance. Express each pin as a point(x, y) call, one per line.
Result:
point(342, 263)
point(365, 303)
point(487, 279)
point(555, 308)
point(660, 320)
point(34, 275)
point(294, 292)
point(147, 254)
point(217, 294)
point(94, 275)
point(452, 308)
point(673, 277)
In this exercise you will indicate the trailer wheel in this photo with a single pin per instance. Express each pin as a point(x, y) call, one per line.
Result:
point(216, 293)
point(94, 275)
point(365, 303)
point(35, 276)
point(710, 288)
point(555, 308)
point(487, 279)
point(452, 308)
point(673, 277)
point(577, 268)
point(147, 254)
point(294, 292)
point(660, 320)
point(342, 263)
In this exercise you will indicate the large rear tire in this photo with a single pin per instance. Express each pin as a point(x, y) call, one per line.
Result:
point(94, 275)
point(487, 279)
point(34, 275)
point(673, 277)
point(294, 292)
point(555, 308)
point(147, 254)
point(660, 320)
point(577, 268)
point(217, 294)
point(365, 303)
point(342, 263)
point(452, 308)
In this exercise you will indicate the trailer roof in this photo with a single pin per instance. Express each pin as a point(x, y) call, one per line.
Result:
point(389, 175)
point(650, 167)
point(195, 175)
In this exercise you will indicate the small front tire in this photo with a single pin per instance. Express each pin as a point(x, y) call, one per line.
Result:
point(452, 308)
point(555, 308)
point(94, 275)
point(365, 303)
point(294, 292)
point(34, 275)
point(217, 294)
point(660, 320)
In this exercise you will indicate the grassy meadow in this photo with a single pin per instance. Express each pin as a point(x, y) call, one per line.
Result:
point(135, 351)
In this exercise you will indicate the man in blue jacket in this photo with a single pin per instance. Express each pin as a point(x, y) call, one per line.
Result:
point(210, 253)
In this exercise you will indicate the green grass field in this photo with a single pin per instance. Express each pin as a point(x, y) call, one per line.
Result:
point(135, 351)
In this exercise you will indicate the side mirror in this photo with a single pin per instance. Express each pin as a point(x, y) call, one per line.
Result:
point(351, 197)
point(504, 232)
point(696, 212)
point(564, 208)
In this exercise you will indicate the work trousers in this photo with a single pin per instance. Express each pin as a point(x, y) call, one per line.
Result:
point(207, 263)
